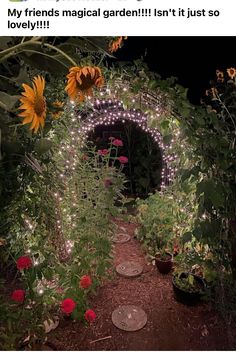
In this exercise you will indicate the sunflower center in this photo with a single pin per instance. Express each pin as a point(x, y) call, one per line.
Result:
point(39, 105)
point(87, 82)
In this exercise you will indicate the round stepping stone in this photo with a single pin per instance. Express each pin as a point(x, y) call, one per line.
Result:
point(129, 269)
point(129, 318)
point(121, 238)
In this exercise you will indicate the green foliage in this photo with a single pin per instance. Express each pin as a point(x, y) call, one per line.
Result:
point(61, 218)
point(187, 282)
point(203, 140)
point(156, 216)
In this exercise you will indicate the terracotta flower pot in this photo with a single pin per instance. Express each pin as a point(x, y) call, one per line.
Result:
point(164, 263)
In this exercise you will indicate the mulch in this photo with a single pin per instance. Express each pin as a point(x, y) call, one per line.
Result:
point(170, 326)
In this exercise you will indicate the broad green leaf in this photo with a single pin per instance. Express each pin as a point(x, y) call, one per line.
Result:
point(7, 102)
point(191, 279)
point(187, 236)
point(43, 146)
point(4, 40)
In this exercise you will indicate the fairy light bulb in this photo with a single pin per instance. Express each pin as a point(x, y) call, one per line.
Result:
point(40, 288)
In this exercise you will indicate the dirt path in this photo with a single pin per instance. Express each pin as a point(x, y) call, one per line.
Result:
point(170, 326)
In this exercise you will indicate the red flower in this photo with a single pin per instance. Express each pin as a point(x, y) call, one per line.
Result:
point(85, 282)
point(18, 295)
point(90, 315)
point(107, 183)
point(24, 262)
point(123, 159)
point(68, 305)
point(175, 250)
point(117, 142)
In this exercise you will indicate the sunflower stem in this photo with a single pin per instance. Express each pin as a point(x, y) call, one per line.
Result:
point(101, 60)
point(19, 45)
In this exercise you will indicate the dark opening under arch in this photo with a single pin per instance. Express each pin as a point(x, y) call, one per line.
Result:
point(144, 168)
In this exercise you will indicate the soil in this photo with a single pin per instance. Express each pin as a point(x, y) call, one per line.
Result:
point(170, 326)
point(164, 257)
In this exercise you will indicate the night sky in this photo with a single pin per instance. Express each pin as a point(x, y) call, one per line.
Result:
point(193, 60)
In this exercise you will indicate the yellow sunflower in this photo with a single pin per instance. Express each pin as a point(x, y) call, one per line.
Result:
point(81, 81)
point(231, 73)
point(220, 76)
point(34, 104)
point(212, 92)
point(116, 44)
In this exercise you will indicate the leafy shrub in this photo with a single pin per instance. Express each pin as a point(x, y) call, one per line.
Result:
point(156, 217)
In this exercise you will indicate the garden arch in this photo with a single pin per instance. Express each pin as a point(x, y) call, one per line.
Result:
point(121, 104)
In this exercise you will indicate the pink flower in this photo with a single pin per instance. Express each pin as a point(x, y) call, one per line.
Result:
point(18, 295)
point(111, 138)
point(84, 157)
point(60, 290)
point(68, 305)
point(85, 282)
point(90, 315)
point(24, 262)
point(123, 159)
point(103, 152)
point(117, 142)
point(107, 183)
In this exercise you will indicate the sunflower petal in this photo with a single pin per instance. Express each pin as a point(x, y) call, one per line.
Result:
point(25, 107)
point(28, 91)
point(74, 69)
point(92, 72)
point(85, 71)
point(24, 114)
point(27, 120)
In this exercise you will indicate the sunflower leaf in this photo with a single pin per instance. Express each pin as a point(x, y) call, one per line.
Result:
point(43, 146)
point(4, 42)
point(86, 44)
point(7, 102)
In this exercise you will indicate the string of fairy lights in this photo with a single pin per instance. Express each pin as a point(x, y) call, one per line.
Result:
point(109, 111)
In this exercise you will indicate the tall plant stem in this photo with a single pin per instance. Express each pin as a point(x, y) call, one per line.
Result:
point(19, 46)
point(4, 55)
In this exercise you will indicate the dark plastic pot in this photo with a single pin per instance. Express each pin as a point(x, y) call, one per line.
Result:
point(164, 266)
point(188, 297)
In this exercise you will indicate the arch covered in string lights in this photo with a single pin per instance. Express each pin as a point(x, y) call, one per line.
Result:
point(108, 109)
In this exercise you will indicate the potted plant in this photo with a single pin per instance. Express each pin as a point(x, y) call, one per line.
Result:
point(188, 287)
point(164, 261)
point(163, 258)
point(156, 218)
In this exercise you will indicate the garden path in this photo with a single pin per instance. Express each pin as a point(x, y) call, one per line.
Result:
point(170, 325)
